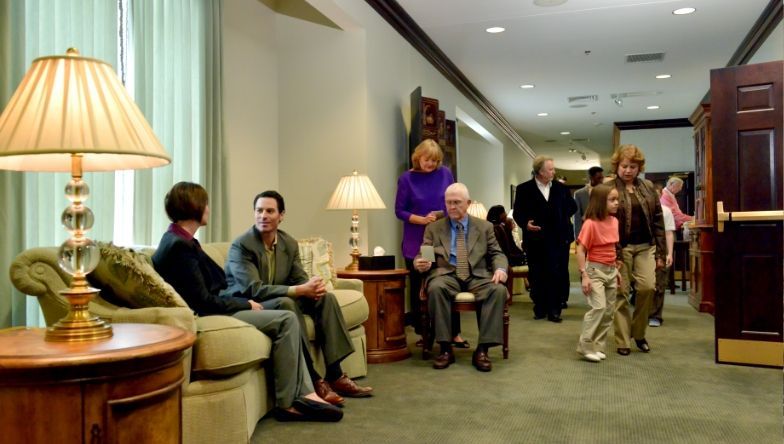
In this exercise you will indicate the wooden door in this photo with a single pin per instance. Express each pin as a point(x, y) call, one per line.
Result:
point(747, 179)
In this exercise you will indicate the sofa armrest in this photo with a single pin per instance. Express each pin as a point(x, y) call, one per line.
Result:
point(349, 284)
point(181, 317)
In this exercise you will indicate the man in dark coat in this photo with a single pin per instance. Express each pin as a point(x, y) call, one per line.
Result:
point(543, 208)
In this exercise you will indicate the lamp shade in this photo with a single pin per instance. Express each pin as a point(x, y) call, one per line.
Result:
point(477, 209)
point(355, 192)
point(69, 105)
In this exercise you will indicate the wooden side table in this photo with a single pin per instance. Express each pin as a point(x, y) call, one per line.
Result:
point(385, 292)
point(126, 389)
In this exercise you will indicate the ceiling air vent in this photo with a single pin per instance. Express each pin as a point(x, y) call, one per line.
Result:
point(581, 140)
point(550, 140)
point(584, 99)
point(578, 105)
point(642, 58)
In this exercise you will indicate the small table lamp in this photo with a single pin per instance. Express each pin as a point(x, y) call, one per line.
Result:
point(355, 192)
point(476, 209)
point(71, 113)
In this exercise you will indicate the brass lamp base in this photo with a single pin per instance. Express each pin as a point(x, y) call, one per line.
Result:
point(354, 265)
point(79, 324)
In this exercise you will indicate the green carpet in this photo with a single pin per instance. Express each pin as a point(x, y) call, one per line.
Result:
point(544, 393)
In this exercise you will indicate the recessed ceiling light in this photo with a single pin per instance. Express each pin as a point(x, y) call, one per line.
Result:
point(663, 76)
point(683, 11)
point(549, 2)
point(565, 133)
point(495, 30)
point(653, 107)
point(528, 86)
point(543, 114)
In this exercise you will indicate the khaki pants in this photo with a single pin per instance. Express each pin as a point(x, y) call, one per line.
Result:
point(596, 322)
point(639, 266)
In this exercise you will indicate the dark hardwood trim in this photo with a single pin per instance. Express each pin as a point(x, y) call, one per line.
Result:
point(651, 124)
point(765, 24)
point(398, 18)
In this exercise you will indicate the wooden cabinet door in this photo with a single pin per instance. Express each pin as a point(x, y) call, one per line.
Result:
point(747, 177)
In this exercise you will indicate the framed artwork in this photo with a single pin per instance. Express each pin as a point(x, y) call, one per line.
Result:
point(441, 128)
point(429, 118)
point(450, 159)
point(450, 137)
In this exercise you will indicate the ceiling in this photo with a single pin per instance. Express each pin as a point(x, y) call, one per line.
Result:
point(579, 48)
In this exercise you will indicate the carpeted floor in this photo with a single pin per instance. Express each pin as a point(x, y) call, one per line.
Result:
point(544, 393)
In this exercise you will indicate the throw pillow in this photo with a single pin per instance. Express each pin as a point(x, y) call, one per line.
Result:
point(316, 256)
point(127, 278)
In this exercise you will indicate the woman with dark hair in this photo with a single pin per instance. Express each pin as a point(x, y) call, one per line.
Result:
point(503, 226)
point(643, 250)
point(182, 263)
point(420, 201)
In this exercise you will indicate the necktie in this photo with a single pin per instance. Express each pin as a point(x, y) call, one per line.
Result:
point(461, 253)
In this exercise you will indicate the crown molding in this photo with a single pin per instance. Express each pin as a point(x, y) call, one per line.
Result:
point(398, 18)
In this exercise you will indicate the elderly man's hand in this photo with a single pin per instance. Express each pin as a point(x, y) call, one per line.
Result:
point(313, 288)
point(421, 264)
point(499, 276)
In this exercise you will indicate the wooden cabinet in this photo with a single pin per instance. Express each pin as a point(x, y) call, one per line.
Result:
point(701, 292)
point(126, 389)
point(385, 328)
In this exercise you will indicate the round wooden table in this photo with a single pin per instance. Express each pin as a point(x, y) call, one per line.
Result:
point(385, 292)
point(125, 389)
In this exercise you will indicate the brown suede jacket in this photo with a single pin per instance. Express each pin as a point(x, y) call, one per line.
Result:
point(651, 209)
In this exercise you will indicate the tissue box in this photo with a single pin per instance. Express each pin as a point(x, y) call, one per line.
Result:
point(376, 263)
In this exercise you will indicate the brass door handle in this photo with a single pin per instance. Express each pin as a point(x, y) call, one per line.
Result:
point(739, 216)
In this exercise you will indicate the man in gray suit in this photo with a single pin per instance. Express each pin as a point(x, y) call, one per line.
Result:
point(264, 265)
point(467, 258)
point(595, 177)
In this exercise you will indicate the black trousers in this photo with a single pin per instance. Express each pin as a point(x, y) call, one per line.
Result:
point(548, 275)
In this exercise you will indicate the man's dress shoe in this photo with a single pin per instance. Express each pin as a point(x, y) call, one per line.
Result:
point(642, 344)
point(556, 319)
point(443, 360)
point(623, 351)
point(326, 393)
point(481, 361)
point(537, 317)
point(344, 386)
point(317, 411)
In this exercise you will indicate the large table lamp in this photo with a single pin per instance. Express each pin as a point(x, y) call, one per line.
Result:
point(477, 209)
point(72, 114)
point(355, 192)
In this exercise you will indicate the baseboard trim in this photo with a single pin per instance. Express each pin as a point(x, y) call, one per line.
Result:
point(741, 351)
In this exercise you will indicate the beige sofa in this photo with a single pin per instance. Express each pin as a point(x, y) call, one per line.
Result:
point(226, 390)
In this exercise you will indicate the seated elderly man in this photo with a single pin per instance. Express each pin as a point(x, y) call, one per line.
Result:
point(467, 258)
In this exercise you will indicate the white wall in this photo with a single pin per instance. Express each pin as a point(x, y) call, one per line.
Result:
point(479, 167)
point(666, 149)
point(773, 48)
point(335, 100)
point(250, 105)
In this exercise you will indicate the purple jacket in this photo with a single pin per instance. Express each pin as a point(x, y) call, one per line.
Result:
point(419, 193)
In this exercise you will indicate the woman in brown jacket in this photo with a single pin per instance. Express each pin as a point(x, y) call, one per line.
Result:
point(643, 249)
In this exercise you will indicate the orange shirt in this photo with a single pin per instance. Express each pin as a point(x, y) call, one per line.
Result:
point(599, 238)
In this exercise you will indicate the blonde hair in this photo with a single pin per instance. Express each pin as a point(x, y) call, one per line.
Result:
point(539, 163)
point(428, 149)
point(631, 152)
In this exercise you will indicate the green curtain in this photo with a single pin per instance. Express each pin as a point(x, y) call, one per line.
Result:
point(12, 303)
point(33, 202)
point(176, 82)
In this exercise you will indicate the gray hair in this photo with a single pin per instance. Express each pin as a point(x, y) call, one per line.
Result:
point(674, 180)
point(539, 162)
point(458, 188)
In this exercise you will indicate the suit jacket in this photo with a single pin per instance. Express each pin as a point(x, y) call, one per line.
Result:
point(553, 215)
point(247, 267)
point(197, 278)
point(581, 198)
point(484, 254)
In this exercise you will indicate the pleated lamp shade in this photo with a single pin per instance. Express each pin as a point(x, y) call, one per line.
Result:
point(477, 209)
point(69, 105)
point(355, 192)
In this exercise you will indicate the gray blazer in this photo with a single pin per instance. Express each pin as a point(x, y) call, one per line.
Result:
point(484, 254)
point(247, 267)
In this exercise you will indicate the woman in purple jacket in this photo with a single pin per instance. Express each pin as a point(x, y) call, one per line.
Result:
point(420, 201)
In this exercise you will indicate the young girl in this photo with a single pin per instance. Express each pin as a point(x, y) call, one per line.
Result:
point(598, 239)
